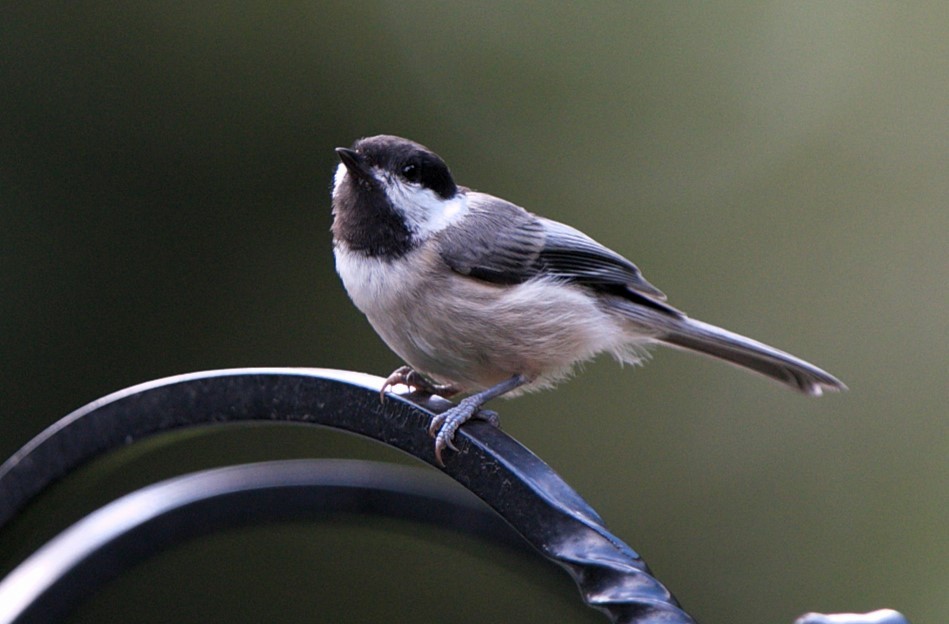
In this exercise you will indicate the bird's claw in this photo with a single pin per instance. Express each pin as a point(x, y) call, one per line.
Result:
point(444, 425)
point(398, 376)
point(408, 376)
point(489, 416)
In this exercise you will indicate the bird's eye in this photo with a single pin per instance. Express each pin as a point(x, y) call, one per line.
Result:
point(412, 172)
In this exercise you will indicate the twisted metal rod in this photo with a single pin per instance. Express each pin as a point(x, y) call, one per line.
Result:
point(520, 487)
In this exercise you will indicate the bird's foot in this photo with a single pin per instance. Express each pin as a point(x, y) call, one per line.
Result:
point(408, 376)
point(444, 425)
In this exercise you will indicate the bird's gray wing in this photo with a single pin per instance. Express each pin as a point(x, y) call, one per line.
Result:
point(500, 242)
point(569, 252)
point(495, 241)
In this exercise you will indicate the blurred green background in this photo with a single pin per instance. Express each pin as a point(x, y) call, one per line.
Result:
point(777, 168)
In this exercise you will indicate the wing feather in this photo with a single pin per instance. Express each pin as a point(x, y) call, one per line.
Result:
point(496, 241)
point(502, 243)
point(573, 253)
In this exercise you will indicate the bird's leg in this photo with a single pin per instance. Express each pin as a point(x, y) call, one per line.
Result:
point(408, 376)
point(445, 425)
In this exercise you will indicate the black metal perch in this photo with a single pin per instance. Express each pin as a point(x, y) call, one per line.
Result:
point(522, 489)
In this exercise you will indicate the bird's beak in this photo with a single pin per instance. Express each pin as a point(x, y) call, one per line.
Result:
point(354, 162)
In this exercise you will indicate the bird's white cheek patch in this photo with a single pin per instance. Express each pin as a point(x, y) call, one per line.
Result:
point(428, 212)
point(453, 208)
point(445, 214)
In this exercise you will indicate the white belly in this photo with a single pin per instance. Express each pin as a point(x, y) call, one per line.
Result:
point(474, 334)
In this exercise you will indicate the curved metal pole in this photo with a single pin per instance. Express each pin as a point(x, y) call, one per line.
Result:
point(530, 496)
point(98, 548)
point(526, 492)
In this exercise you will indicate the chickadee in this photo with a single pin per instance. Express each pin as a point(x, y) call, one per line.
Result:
point(478, 295)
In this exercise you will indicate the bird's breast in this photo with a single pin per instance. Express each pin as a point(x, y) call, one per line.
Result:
point(473, 333)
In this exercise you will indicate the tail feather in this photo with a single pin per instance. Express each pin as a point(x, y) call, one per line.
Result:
point(751, 354)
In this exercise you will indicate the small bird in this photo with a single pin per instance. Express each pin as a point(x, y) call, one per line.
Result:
point(478, 296)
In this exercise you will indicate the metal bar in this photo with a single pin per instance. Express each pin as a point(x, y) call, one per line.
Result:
point(520, 487)
point(98, 548)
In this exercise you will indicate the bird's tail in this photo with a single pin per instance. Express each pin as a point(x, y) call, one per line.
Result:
point(697, 336)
